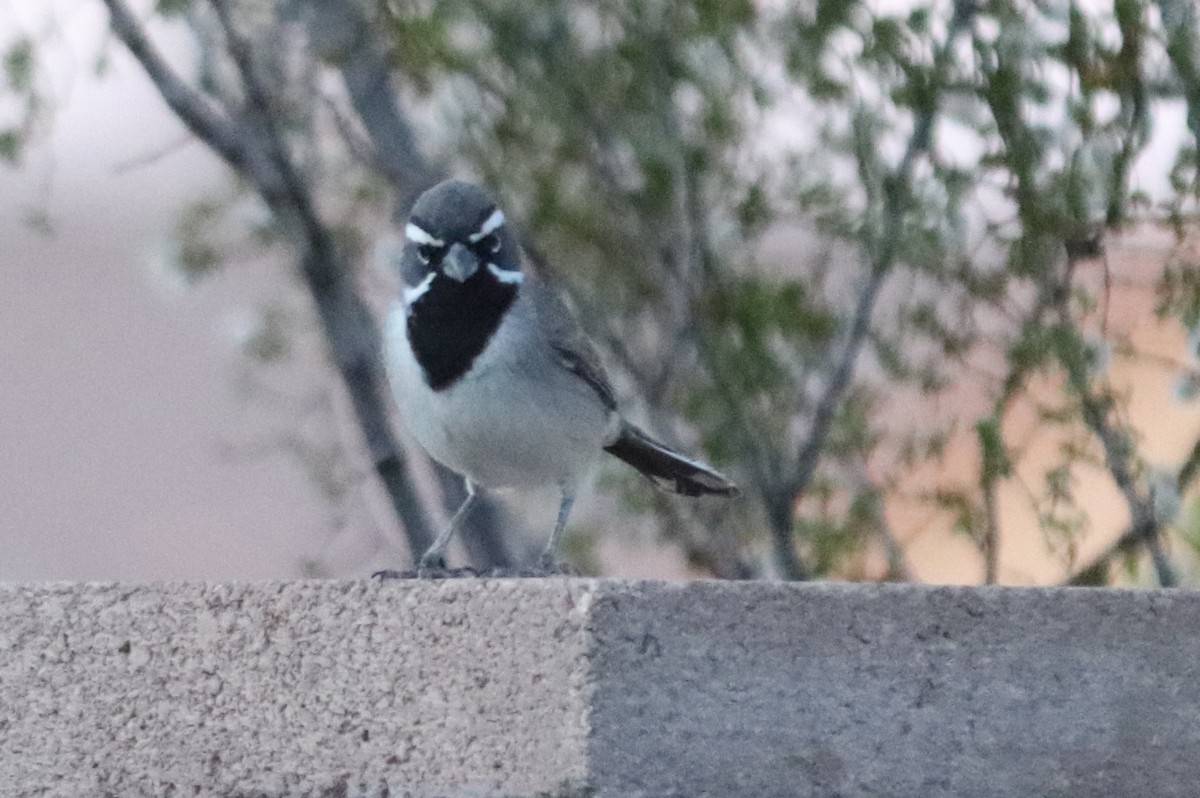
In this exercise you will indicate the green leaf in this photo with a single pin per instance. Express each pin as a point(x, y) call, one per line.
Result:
point(833, 13)
point(10, 145)
point(269, 340)
point(754, 211)
point(169, 8)
point(993, 453)
point(918, 21)
point(18, 66)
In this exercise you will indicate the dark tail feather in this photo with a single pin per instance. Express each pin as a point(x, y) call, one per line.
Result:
point(667, 469)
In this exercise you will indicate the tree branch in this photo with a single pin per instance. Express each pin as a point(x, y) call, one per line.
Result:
point(343, 34)
point(1118, 449)
point(884, 247)
point(195, 110)
point(254, 147)
point(289, 193)
point(1025, 160)
point(1183, 49)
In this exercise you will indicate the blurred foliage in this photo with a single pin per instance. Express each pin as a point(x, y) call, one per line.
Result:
point(827, 244)
point(25, 102)
point(979, 154)
point(635, 140)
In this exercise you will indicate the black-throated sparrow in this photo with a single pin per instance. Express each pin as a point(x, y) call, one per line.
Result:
point(492, 374)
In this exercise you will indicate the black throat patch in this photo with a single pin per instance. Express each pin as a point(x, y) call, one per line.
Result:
point(451, 323)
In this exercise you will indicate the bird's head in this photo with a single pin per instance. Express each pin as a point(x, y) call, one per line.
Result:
point(457, 232)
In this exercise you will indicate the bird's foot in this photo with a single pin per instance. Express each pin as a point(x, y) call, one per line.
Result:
point(390, 573)
point(432, 565)
point(432, 560)
point(428, 571)
point(548, 566)
point(544, 567)
point(530, 572)
point(464, 572)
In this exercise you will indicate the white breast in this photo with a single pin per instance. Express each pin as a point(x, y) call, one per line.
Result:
point(515, 419)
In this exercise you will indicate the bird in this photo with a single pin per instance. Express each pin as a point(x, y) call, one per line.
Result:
point(493, 376)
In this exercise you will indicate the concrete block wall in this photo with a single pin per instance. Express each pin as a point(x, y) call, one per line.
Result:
point(576, 687)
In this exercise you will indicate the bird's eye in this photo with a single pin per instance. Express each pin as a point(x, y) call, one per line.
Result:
point(488, 245)
point(427, 252)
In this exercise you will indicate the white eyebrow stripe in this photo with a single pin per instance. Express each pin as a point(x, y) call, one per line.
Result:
point(419, 236)
point(489, 226)
point(412, 294)
point(507, 276)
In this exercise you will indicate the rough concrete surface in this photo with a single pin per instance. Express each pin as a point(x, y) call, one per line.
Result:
point(292, 689)
point(573, 687)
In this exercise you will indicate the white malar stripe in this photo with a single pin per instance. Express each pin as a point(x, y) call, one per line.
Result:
point(419, 236)
point(507, 276)
point(413, 293)
point(489, 226)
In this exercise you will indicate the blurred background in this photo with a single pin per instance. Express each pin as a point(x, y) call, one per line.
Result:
point(923, 277)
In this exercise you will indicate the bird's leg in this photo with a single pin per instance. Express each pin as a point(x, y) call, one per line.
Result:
point(547, 560)
point(434, 559)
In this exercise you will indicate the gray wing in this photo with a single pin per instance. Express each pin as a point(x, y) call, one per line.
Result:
point(571, 347)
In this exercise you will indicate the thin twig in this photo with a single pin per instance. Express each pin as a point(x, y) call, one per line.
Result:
point(885, 250)
point(322, 262)
point(154, 156)
point(1118, 450)
point(1182, 28)
point(194, 109)
point(255, 148)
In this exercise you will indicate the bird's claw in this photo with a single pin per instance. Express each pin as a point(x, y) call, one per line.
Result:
point(545, 567)
point(432, 561)
point(433, 570)
point(548, 566)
